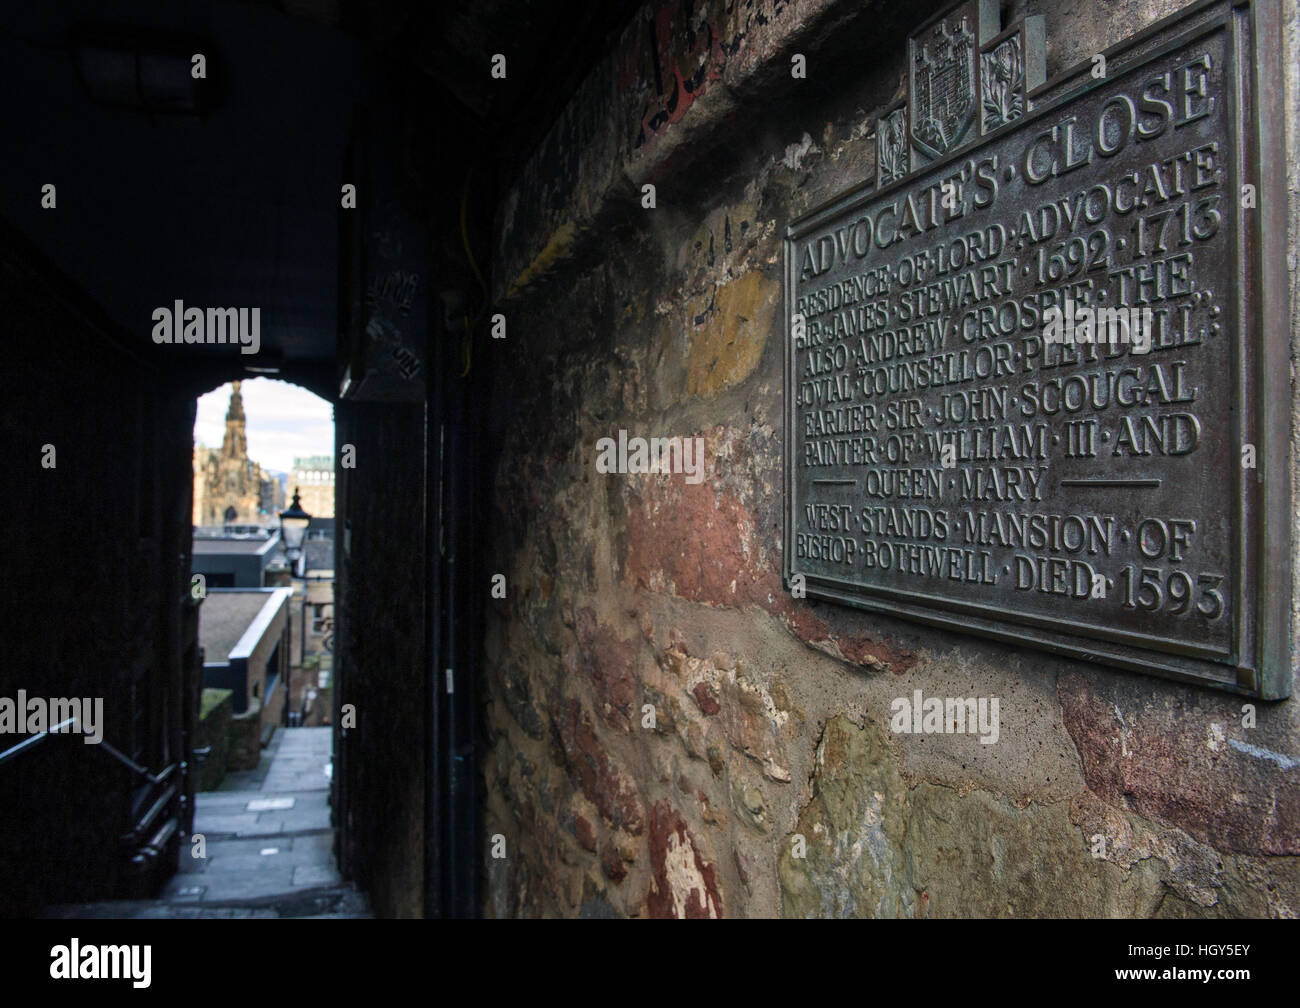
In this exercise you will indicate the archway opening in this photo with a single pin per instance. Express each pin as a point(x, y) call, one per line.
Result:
point(263, 454)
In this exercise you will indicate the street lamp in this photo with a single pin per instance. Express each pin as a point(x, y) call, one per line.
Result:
point(293, 526)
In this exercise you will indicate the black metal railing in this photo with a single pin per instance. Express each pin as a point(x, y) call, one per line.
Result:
point(158, 818)
point(34, 740)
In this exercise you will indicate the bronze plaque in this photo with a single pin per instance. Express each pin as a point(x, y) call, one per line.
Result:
point(1037, 378)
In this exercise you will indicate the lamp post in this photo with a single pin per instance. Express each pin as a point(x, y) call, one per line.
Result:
point(293, 526)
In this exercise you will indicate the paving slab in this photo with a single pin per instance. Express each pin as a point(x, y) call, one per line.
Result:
point(297, 822)
point(218, 823)
point(244, 863)
point(316, 875)
point(258, 884)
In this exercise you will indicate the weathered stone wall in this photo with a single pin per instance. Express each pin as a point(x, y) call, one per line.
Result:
point(213, 731)
point(245, 738)
point(772, 714)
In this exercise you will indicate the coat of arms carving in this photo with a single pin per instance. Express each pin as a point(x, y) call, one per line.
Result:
point(965, 77)
point(941, 63)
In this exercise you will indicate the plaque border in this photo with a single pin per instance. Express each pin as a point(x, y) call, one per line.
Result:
point(1259, 660)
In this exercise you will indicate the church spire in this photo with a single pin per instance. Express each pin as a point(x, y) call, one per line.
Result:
point(236, 410)
point(234, 445)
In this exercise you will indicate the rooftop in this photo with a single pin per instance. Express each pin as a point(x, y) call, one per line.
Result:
point(243, 546)
point(232, 531)
point(227, 614)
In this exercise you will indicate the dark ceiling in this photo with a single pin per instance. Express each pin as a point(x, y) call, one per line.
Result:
point(239, 206)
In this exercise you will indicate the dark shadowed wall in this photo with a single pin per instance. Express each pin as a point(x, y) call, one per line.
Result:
point(96, 578)
point(380, 659)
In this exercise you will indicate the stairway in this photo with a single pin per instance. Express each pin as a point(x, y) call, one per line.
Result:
point(269, 846)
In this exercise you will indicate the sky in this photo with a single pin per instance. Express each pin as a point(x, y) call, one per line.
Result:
point(282, 421)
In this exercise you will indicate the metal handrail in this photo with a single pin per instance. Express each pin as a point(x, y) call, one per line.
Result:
point(32, 740)
point(121, 757)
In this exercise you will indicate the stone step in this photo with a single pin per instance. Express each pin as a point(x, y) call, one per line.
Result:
point(327, 901)
point(252, 814)
point(259, 853)
point(259, 801)
point(269, 866)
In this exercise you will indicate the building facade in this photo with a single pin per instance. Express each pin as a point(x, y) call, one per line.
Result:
point(229, 487)
point(313, 478)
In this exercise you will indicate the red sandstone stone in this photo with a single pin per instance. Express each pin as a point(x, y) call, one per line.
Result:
point(707, 698)
point(714, 556)
point(1159, 768)
point(613, 793)
point(612, 864)
point(585, 833)
point(609, 664)
point(670, 888)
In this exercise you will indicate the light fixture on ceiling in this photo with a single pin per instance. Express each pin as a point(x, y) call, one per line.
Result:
point(269, 362)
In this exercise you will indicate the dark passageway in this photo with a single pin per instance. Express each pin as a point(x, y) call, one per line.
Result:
point(196, 193)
